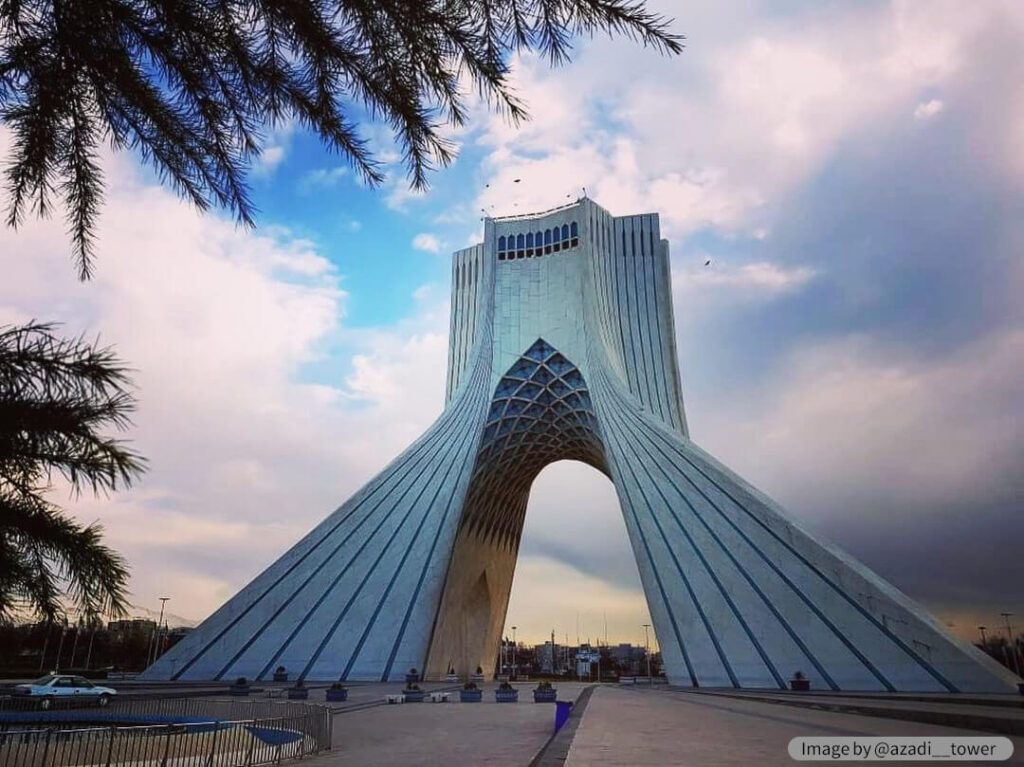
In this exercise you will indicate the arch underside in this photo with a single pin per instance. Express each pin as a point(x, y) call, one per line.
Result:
point(541, 412)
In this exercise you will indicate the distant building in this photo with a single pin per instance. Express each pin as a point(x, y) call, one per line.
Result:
point(132, 625)
point(552, 658)
point(588, 659)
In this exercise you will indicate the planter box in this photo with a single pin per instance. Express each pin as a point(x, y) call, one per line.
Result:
point(471, 696)
point(412, 678)
point(337, 695)
point(413, 696)
point(800, 685)
point(451, 678)
point(478, 678)
point(506, 696)
point(281, 677)
point(298, 693)
point(238, 690)
point(545, 696)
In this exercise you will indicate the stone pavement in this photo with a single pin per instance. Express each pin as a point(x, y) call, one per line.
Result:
point(486, 733)
point(619, 726)
point(632, 726)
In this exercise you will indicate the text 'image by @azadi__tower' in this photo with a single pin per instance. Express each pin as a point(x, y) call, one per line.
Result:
point(563, 347)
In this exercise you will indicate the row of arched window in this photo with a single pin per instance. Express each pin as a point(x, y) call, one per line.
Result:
point(533, 244)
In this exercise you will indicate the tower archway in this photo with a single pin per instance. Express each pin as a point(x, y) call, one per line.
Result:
point(569, 351)
point(541, 412)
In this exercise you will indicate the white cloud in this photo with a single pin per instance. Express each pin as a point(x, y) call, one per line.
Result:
point(427, 242)
point(323, 178)
point(759, 276)
point(275, 149)
point(859, 425)
point(219, 324)
point(269, 159)
point(928, 109)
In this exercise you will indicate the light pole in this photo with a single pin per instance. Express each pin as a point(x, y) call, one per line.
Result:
point(1013, 645)
point(984, 641)
point(647, 652)
point(514, 674)
point(160, 620)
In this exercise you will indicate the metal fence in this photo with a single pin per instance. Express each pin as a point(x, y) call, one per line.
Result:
point(178, 732)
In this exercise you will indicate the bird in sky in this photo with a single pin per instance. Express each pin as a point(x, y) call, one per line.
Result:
point(708, 262)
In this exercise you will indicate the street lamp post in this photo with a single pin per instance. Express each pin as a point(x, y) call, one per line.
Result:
point(156, 631)
point(647, 652)
point(1013, 645)
point(514, 670)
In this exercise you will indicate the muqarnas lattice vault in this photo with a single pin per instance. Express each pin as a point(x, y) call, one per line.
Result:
point(562, 347)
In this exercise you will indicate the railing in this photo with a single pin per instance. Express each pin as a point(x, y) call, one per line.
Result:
point(177, 732)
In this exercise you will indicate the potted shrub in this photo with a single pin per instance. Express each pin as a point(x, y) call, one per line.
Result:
point(413, 694)
point(298, 692)
point(506, 693)
point(478, 676)
point(281, 674)
point(451, 676)
point(240, 687)
point(799, 683)
point(470, 693)
point(337, 692)
point(544, 693)
point(412, 677)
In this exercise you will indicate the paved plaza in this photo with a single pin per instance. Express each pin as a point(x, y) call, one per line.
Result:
point(619, 726)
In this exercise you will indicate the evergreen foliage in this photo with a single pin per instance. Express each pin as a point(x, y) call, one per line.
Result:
point(192, 84)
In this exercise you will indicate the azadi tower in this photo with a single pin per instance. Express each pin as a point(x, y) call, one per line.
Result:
point(562, 347)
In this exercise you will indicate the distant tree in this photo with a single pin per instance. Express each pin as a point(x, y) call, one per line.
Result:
point(57, 397)
point(191, 84)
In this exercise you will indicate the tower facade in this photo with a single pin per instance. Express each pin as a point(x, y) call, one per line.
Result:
point(562, 347)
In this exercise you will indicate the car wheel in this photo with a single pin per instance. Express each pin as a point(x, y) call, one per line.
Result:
point(46, 703)
point(104, 700)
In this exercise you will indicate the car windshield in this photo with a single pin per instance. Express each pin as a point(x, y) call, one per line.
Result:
point(44, 680)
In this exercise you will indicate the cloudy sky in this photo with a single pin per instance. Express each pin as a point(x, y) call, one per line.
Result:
point(855, 173)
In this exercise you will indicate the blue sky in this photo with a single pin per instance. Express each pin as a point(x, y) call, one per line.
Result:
point(853, 171)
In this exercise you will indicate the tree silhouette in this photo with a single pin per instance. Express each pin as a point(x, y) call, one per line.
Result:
point(191, 84)
point(57, 396)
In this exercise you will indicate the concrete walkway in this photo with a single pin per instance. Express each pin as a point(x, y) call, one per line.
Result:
point(431, 734)
point(660, 727)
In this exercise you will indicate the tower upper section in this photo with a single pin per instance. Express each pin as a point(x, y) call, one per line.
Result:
point(595, 285)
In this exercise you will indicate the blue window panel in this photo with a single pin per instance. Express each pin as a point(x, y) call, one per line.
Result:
point(520, 242)
point(501, 243)
point(506, 387)
point(522, 369)
point(547, 236)
point(542, 376)
point(528, 390)
point(559, 388)
point(529, 239)
point(573, 230)
point(565, 231)
point(559, 364)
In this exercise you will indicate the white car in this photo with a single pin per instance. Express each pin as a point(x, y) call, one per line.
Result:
point(68, 690)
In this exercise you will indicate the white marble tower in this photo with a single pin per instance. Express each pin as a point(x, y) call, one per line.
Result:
point(562, 347)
